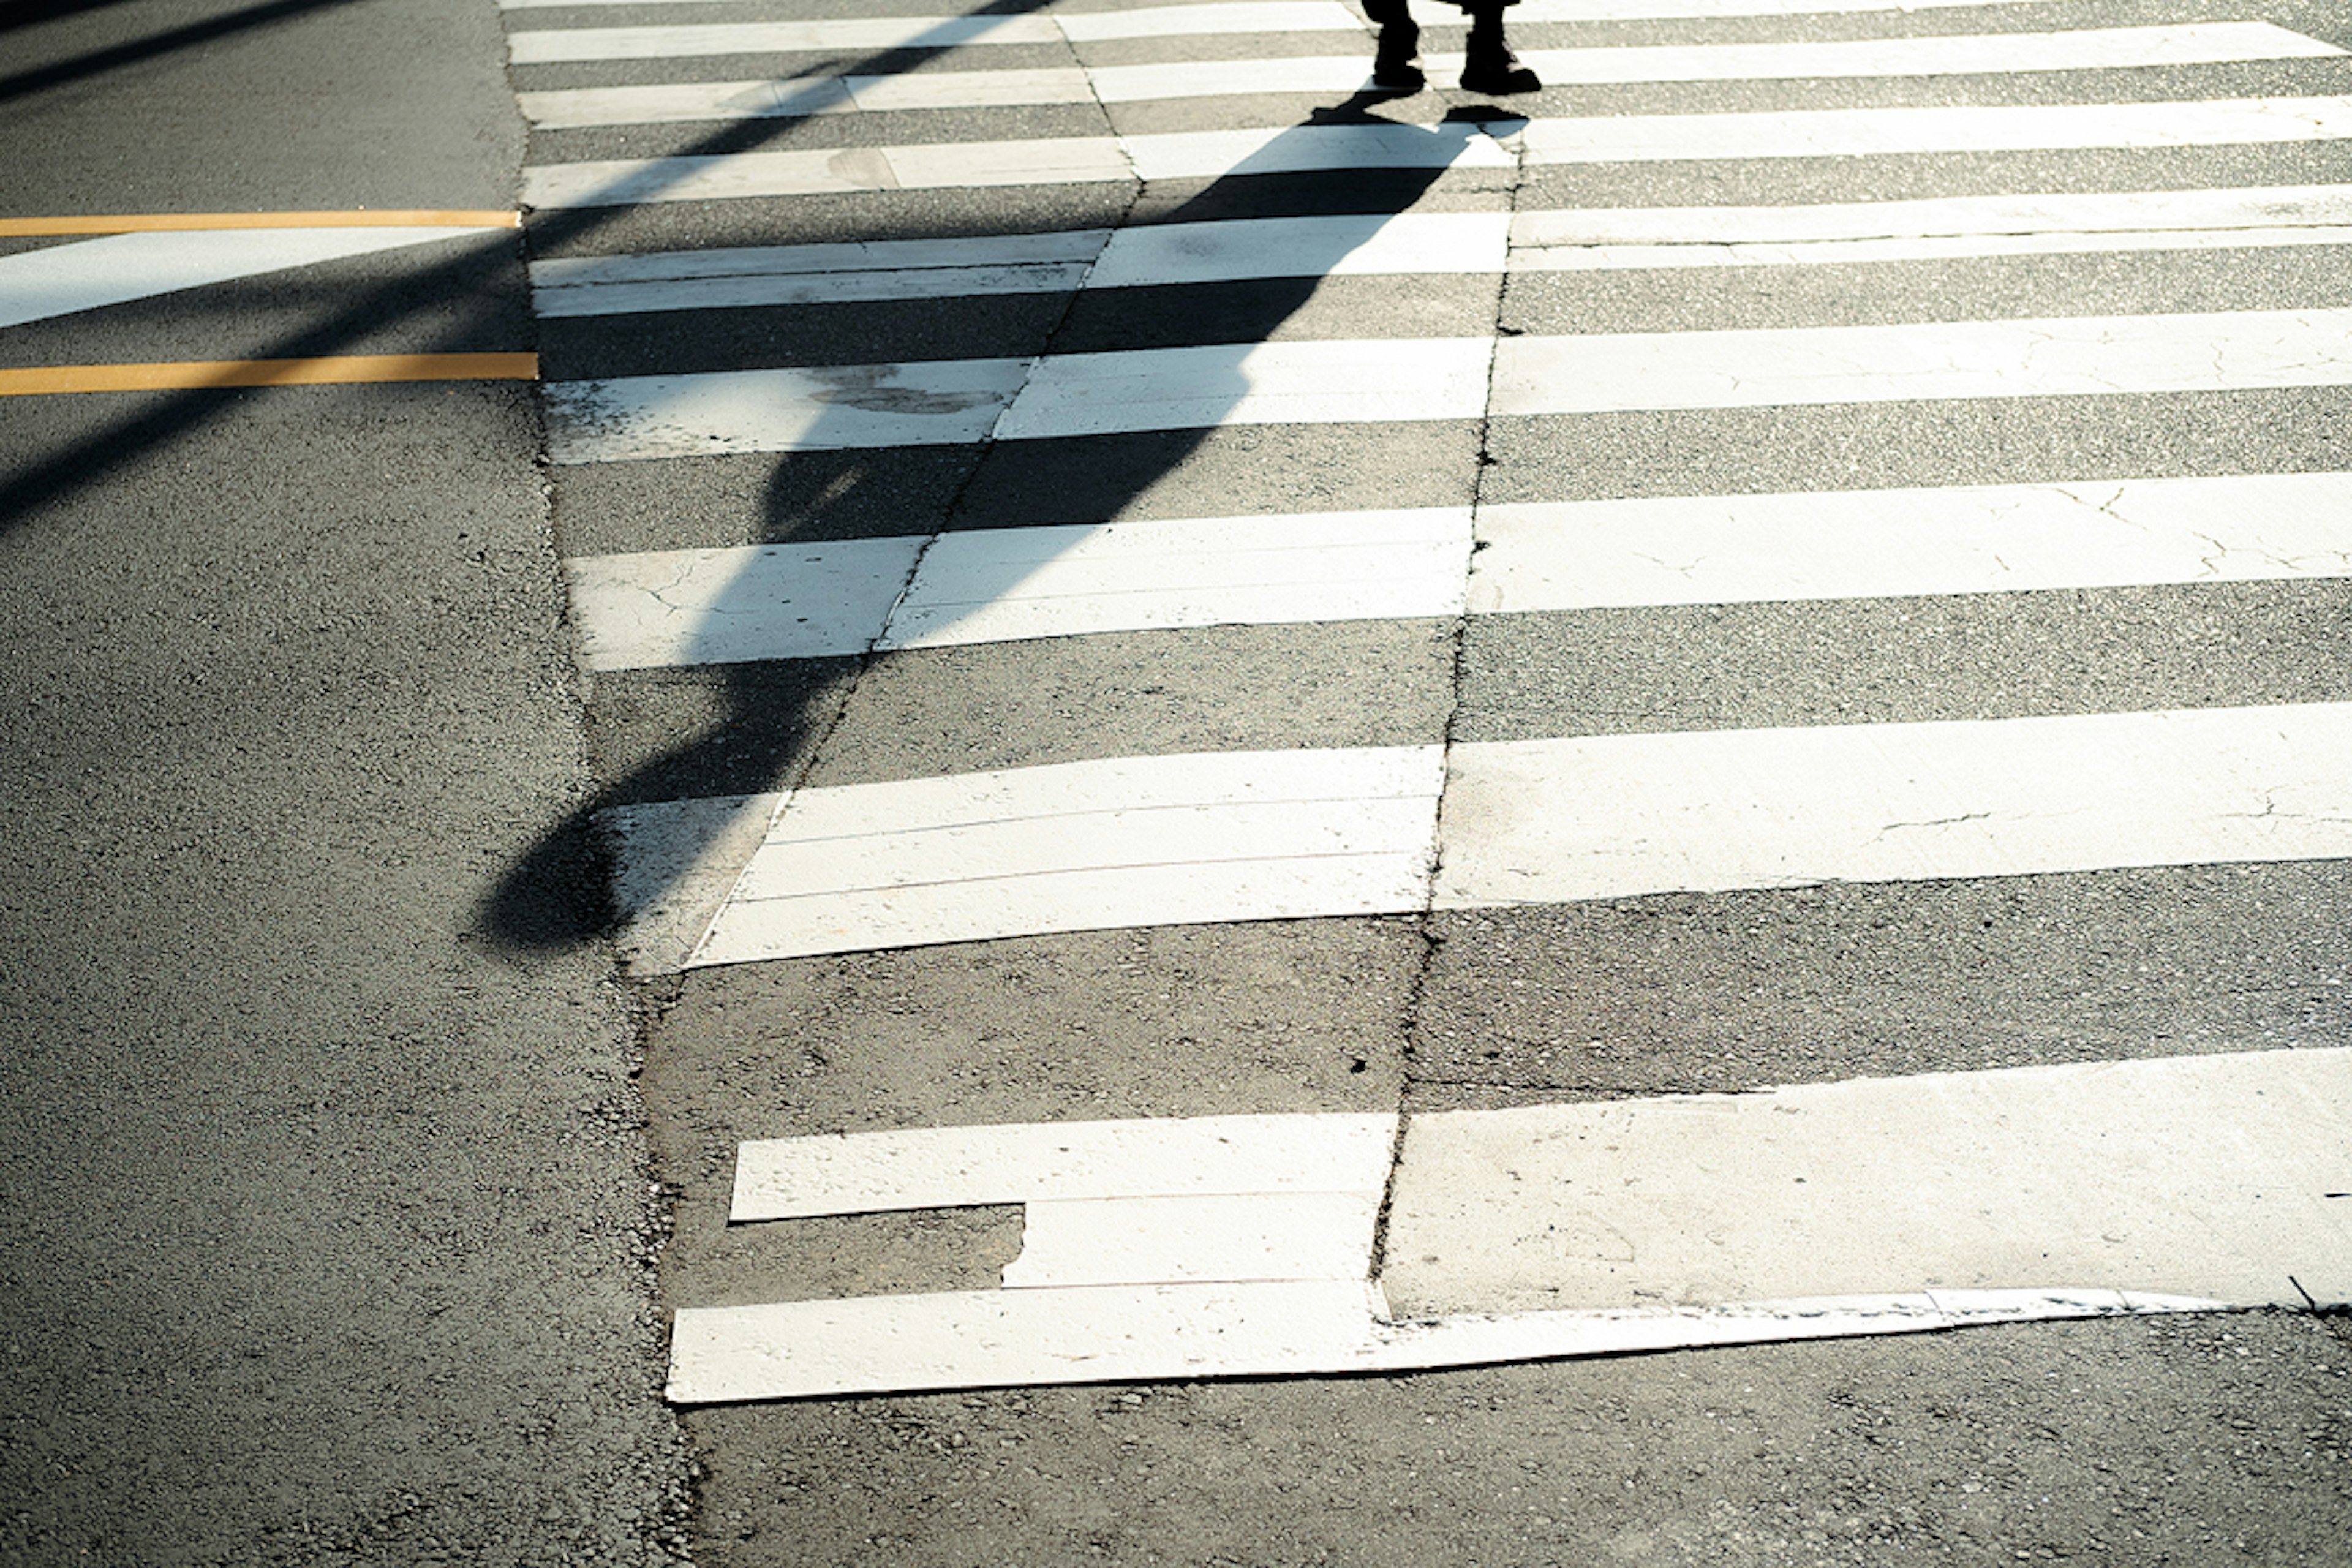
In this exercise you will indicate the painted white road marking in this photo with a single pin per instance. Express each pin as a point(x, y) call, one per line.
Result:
point(767, 602)
point(1314, 381)
point(790, 98)
point(821, 408)
point(1050, 161)
point(1001, 584)
point(1982, 128)
point(1257, 835)
point(2256, 206)
point(1837, 544)
point(1001, 1339)
point(832, 274)
point(1353, 381)
point(1845, 233)
point(982, 1339)
point(1220, 17)
point(2193, 1175)
point(946, 166)
point(727, 606)
point(1942, 247)
point(1086, 846)
point(2105, 48)
point(1314, 148)
point(2064, 357)
point(1555, 821)
point(1353, 245)
point(1346, 246)
point(875, 35)
point(1215, 18)
point(88, 274)
point(1151, 255)
point(770, 601)
point(1667, 10)
point(1237, 1246)
point(1067, 1161)
point(2108, 48)
point(1296, 149)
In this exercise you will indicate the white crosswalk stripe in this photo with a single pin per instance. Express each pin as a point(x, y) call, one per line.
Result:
point(760, 602)
point(954, 400)
point(2064, 358)
point(1822, 1209)
point(1997, 153)
point(1241, 836)
point(1438, 378)
point(665, 608)
point(2115, 49)
point(1313, 149)
point(1218, 836)
point(1346, 246)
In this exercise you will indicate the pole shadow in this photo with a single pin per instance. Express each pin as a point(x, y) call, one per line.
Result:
point(770, 714)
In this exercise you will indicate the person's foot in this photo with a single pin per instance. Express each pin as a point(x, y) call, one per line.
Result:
point(1394, 70)
point(1495, 69)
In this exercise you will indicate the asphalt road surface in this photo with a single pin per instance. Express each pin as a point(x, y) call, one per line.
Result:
point(1707, 710)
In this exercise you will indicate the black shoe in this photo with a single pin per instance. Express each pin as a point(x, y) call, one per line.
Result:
point(1392, 66)
point(1497, 71)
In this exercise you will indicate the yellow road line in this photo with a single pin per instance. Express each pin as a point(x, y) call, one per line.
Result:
point(150, 223)
point(334, 370)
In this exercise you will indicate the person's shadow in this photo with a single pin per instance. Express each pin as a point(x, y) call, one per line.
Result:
point(690, 816)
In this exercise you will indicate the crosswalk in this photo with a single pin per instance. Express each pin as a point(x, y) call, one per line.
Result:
point(993, 307)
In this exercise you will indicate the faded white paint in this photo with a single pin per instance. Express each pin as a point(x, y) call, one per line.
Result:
point(841, 273)
point(1152, 255)
point(1235, 1245)
point(631, 418)
point(726, 606)
point(1980, 128)
point(1180, 839)
point(790, 98)
point(757, 601)
point(628, 182)
point(875, 35)
point(2103, 48)
point(819, 408)
point(1601, 817)
point(1854, 232)
point(987, 1338)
